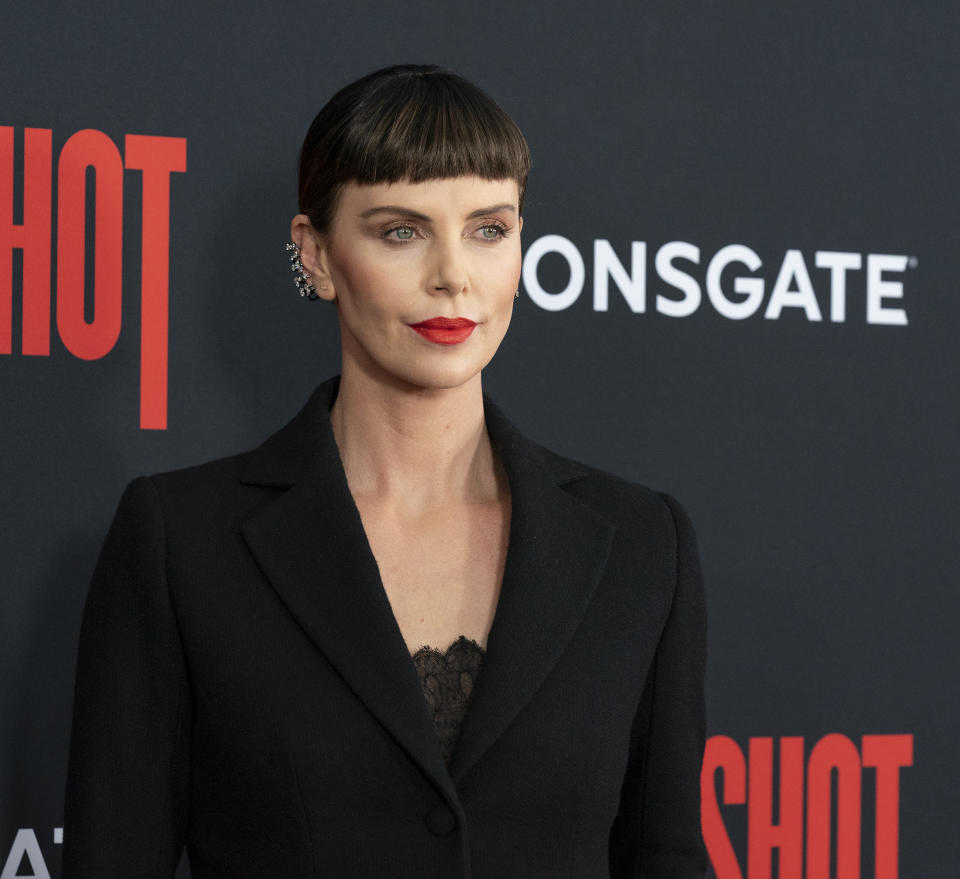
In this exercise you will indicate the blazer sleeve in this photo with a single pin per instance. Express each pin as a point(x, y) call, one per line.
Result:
point(127, 777)
point(656, 833)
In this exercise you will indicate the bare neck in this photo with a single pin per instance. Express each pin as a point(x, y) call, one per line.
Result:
point(416, 449)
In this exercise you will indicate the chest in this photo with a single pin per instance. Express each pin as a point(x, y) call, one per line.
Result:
point(441, 572)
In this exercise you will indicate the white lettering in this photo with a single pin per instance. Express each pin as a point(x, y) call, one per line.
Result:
point(675, 278)
point(878, 289)
point(25, 843)
point(751, 288)
point(793, 269)
point(531, 283)
point(839, 263)
point(607, 265)
point(740, 297)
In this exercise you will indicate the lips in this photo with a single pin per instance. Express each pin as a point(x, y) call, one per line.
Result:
point(445, 330)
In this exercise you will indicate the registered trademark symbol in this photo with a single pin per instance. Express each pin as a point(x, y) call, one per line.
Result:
point(913, 262)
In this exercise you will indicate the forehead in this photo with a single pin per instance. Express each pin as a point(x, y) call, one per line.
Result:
point(446, 196)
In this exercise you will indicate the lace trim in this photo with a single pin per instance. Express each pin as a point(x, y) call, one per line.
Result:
point(448, 678)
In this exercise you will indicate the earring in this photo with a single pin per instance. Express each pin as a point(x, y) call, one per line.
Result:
point(301, 277)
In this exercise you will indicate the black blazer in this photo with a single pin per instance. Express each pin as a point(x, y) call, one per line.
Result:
point(243, 687)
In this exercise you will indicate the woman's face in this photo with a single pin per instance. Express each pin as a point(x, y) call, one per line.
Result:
point(424, 276)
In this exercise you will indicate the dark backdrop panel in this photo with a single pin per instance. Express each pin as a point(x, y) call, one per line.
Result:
point(817, 458)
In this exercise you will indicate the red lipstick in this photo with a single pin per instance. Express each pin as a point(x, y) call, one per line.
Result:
point(445, 330)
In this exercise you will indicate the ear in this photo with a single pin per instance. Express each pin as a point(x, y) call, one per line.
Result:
point(313, 256)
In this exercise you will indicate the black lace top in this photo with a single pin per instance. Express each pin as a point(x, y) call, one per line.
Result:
point(447, 680)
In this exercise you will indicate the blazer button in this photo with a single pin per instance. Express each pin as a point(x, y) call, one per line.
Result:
point(440, 821)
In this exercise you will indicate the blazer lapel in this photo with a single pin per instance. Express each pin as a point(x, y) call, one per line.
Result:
point(556, 555)
point(311, 545)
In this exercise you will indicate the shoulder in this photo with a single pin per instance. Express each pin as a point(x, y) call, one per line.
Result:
point(622, 502)
point(189, 502)
point(653, 555)
point(205, 476)
point(652, 533)
point(633, 508)
point(190, 484)
point(282, 460)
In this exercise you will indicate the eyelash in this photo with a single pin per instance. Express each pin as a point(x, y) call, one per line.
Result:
point(502, 230)
point(389, 232)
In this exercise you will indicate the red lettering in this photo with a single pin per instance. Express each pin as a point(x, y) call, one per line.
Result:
point(158, 158)
point(86, 149)
point(722, 753)
point(887, 754)
point(834, 773)
point(833, 754)
point(763, 835)
point(32, 237)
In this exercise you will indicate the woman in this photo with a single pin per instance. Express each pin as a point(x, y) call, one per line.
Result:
point(245, 683)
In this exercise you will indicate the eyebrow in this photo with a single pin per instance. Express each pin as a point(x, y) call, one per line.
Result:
point(399, 209)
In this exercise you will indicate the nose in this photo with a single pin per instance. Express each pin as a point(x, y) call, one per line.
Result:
point(449, 271)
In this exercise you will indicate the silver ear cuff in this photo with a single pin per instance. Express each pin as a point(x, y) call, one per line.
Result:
point(301, 278)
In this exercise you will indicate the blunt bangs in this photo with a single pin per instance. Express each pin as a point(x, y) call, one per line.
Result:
point(411, 123)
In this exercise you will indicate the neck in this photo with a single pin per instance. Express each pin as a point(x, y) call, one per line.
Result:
point(419, 448)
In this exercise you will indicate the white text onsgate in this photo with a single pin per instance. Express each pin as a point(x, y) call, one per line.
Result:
point(735, 286)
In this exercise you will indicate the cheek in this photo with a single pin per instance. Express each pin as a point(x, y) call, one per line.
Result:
point(516, 263)
point(368, 287)
point(509, 275)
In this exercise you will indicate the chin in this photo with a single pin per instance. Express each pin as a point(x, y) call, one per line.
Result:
point(442, 379)
point(439, 373)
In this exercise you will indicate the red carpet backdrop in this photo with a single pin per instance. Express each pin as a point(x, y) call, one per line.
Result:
point(739, 286)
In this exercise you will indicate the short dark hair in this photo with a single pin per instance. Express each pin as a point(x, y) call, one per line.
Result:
point(408, 122)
